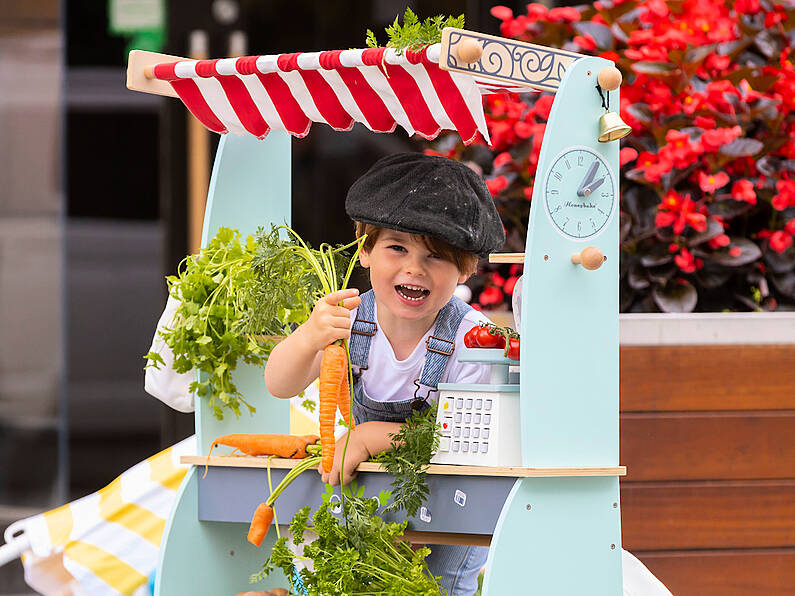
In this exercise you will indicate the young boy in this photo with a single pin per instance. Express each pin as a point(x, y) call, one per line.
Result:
point(427, 220)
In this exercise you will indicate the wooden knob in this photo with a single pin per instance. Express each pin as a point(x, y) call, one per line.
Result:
point(609, 78)
point(591, 258)
point(469, 50)
point(149, 72)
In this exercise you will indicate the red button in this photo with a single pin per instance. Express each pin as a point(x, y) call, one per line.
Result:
point(444, 425)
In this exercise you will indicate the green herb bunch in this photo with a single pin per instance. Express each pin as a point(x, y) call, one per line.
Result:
point(202, 335)
point(414, 34)
point(364, 556)
point(413, 446)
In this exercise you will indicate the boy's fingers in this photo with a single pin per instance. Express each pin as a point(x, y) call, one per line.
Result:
point(340, 295)
point(351, 303)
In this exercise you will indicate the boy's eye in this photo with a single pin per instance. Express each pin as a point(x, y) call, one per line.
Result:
point(433, 255)
point(397, 247)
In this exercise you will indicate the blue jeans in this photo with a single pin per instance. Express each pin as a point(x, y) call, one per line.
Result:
point(458, 566)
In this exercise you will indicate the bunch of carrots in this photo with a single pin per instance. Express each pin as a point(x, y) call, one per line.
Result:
point(335, 370)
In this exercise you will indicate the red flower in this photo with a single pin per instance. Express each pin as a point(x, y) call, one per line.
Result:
point(678, 211)
point(536, 11)
point(687, 262)
point(704, 122)
point(528, 192)
point(777, 15)
point(497, 185)
point(712, 140)
point(586, 42)
point(501, 12)
point(786, 195)
point(747, 6)
point(735, 251)
point(491, 295)
point(502, 159)
point(780, 241)
point(712, 182)
point(564, 14)
point(523, 130)
point(543, 106)
point(626, 155)
point(743, 190)
point(790, 227)
point(719, 241)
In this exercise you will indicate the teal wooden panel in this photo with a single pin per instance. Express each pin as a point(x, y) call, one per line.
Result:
point(208, 558)
point(249, 188)
point(569, 352)
point(557, 537)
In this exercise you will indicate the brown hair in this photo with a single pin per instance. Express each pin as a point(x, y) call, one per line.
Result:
point(467, 262)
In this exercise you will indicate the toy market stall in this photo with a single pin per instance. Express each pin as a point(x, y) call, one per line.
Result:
point(527, 463)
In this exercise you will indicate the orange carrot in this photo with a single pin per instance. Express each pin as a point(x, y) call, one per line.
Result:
point(333, 367)
point(344, 401)
point(260, 524)
point(286, 446)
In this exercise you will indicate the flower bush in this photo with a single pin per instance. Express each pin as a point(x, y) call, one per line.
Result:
point(708, 173)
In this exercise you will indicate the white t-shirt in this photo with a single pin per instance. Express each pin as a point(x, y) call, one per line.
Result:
point(389, 379)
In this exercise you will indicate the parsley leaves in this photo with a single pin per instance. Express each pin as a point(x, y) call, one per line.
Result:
point(414, 34)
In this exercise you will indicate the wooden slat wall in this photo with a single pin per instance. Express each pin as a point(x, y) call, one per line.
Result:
point(708, 438)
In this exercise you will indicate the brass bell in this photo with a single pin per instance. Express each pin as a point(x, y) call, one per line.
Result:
point(612, 127)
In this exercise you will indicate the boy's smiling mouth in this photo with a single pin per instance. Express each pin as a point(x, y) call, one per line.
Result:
point(412, 293)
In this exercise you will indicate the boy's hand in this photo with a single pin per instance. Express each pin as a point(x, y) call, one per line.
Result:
point(331, 318)
point(357, 453)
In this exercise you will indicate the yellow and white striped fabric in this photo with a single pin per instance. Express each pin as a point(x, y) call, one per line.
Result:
point(110, 540)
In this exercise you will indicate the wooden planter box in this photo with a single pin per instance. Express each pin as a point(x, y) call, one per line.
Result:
point(708, 438)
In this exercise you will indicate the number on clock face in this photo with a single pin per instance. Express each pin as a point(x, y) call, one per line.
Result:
point(579, 193)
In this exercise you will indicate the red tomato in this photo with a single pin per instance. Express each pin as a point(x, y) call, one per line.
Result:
point(471, 337)
point(487, 339)
point(513, 348)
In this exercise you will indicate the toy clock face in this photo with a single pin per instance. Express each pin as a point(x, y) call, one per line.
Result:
point(580, 193)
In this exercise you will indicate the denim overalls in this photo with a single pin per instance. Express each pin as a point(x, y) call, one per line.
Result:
point(457, 565)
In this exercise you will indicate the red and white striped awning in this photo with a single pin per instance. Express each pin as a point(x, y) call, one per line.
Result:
point(376, 87)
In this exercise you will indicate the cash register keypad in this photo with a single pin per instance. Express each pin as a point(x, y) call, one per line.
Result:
point(465, 425)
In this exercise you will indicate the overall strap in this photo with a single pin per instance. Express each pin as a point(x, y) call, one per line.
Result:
point(362, 332)
point(440, 346)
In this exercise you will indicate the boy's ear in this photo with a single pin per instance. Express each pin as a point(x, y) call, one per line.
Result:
point(364, 259)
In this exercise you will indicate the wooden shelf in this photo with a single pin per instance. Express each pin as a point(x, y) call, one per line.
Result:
point(506, 257)
point(237, 461)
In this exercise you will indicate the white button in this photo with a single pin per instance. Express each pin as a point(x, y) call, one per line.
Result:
point(477, 418)
point(444, 444)
point(486, 418)
point(484, 447)
point(456, 431)
point(474, 446)
point(465, 447)
point(466, 432)
point(488, 404)
point(469, 404)
point(485, 433)
point(467, 418)
point(478, 404)
point(458, 416)
point(456, 445)
point(476, 432)
point(459, 402)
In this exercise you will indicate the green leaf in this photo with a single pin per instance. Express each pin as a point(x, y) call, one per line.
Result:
point(742, 147)
point(675, 296)
point(652, 68)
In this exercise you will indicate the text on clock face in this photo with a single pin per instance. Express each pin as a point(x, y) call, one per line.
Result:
point(579, 193)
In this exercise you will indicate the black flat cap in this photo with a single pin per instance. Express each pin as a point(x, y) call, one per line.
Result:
point(430, 196)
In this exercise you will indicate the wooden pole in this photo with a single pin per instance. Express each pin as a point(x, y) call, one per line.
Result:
point(198, 157)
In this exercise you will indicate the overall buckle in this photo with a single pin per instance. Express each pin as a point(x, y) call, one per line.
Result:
point(418, 402)
point(367, 333)
point(437, 351)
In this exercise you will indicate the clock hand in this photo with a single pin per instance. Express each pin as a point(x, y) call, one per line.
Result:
point(588, 177)
point(593, 186)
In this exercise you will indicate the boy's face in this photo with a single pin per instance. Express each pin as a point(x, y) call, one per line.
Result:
point(408, 279)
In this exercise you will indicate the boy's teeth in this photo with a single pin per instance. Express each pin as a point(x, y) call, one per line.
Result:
point(414, 293)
